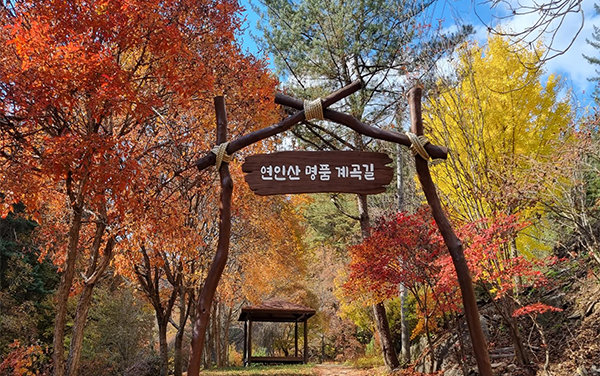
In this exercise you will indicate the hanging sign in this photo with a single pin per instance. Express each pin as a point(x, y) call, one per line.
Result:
point(318, 171)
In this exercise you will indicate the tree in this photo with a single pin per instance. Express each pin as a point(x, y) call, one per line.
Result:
point(503, 127)
point(404, 250)
point(321, 46)
point(84, 87)
point(499, 274)
point(120, 331)
point(574, 208)
point(544, 22)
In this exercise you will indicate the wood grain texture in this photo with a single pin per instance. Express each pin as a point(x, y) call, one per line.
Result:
point(453, 243)
point(211, 282)
point(318, 172)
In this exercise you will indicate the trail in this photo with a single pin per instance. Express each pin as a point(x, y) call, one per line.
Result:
point(331, 369)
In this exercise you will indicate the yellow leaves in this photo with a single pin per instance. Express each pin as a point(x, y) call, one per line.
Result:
point(502, 123)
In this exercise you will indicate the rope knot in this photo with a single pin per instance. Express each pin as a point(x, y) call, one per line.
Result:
point(418, 145)
point(313, 109)
point(221, 152)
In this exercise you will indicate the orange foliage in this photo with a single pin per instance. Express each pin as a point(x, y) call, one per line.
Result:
point(104, 107)
point(268, 247)
point(23, 360)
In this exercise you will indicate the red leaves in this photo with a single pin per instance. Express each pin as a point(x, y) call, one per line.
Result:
point(407, 249)
point(492, 262)
point(535, 309)
point(402, 249)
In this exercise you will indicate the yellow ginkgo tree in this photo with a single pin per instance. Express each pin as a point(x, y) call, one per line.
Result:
point(505, 121)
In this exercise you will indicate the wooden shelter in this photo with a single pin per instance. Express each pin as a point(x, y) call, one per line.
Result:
point(276, 311)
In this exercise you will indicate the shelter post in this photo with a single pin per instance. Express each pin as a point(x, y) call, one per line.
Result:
point(249, 355)
point(296, 339)
point(305, 340)
point(245, 352)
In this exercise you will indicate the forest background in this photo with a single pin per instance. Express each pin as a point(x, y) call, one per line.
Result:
point(108, 229)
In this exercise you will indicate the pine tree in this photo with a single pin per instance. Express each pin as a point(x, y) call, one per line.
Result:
point(320, 46)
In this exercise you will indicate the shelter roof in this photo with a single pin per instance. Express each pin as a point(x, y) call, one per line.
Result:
point(276, 311)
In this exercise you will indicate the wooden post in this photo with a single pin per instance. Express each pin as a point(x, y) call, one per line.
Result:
point(245, 352)
point(452, 242)
point(249, 341)
point(218, 265)
point(305, 340)
point(296, 340)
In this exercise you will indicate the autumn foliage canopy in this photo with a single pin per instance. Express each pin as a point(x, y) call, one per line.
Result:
point(104, 108)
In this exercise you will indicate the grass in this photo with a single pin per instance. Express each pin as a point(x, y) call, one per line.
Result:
point(282, 370)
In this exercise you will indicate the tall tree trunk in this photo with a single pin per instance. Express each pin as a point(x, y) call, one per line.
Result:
point(93, 274)
point(389, 353)
point(62, 295)
point(404, 328)
point(513, 328)
point(387, 346)
point(184, 310)
point(83, 307)
point(150, 278)
point(178, 355)
point(209, 347)
point(217, 334)
point(514, 253)
point(430, 345)
point(163, 345)
point(401, 204)
point(226, 337)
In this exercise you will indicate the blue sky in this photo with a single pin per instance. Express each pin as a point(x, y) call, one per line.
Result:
point(571, 65)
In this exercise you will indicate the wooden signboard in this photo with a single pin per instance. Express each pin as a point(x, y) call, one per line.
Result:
point(320, 171)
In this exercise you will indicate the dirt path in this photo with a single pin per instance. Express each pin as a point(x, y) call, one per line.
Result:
point(330, 369)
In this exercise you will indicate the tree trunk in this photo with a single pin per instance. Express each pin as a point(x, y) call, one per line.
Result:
point(514, 253)
point(226, 337)
point(183, 315)
point(95, 270)
point(513, 328)
point(401, 204)
point(405, 330)
point(387, 346)
point(62, 295)
point(83, 307)
point(430, 345)
point(208, 346)
point(520, 352)
point(178, 356)
point(163, 345)
point(217, 335)
point(389, 353)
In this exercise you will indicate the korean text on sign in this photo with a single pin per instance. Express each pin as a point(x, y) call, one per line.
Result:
point(320, 171)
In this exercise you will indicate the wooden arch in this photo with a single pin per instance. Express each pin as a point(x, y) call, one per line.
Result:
point(452, 242)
